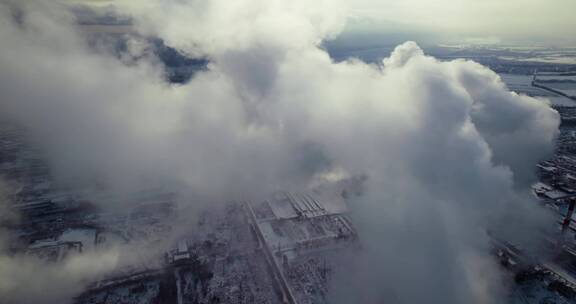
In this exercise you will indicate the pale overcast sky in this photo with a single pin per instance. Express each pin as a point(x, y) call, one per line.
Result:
point(549, 21)
point(547, 18)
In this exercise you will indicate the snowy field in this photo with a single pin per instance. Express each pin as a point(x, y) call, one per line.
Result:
point(563, 83)
point(522, 84)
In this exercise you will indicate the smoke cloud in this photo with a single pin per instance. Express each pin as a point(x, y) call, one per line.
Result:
point(448, 150)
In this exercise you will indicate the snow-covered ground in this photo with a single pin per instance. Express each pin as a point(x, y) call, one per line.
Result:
point(85, 236)
point(563, 83)
point(522, 84)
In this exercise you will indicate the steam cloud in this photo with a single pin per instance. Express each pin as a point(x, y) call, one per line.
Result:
point(447, 149)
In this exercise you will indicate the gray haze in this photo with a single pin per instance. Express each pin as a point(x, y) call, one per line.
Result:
point(448, 150)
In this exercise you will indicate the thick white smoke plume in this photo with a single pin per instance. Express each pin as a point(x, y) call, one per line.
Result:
point(447, 149)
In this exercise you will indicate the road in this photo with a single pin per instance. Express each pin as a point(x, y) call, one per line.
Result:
point(287, 295)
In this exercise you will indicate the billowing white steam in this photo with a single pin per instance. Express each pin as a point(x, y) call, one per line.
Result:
point(447, 149)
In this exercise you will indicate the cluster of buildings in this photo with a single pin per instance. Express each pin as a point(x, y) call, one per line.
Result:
point(277, 250)
point(300, 233)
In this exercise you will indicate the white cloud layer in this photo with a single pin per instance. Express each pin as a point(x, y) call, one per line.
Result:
point(447, 148)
